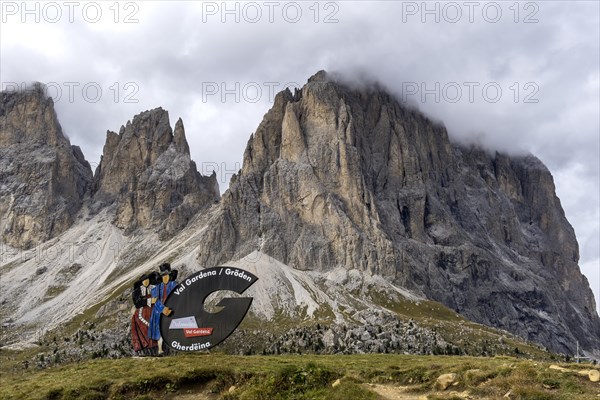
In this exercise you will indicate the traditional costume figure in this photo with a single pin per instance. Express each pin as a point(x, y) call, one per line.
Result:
point(159, 296)
point(140, 321)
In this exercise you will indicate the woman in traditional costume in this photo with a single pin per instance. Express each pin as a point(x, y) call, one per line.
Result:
point(140, 321)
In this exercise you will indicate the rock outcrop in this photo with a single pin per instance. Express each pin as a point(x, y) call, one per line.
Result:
point(43, 179)
point(336, 176)
point(147, 173)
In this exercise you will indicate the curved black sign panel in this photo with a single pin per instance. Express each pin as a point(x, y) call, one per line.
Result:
point(189, 327)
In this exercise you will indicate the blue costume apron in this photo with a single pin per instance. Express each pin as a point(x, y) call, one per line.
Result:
point(160, 294)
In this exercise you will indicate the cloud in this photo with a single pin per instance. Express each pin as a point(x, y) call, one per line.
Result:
point(522, 80)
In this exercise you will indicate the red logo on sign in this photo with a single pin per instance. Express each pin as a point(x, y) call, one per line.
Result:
point(195, 332)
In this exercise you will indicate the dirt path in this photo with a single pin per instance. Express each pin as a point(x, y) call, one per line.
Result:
point(194, 396)
point(386, 392)
point(395, 392)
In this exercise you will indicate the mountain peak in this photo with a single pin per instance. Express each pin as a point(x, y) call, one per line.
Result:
point(146, 171)
point(179, 138)
point(320, 76)
point(29, 116)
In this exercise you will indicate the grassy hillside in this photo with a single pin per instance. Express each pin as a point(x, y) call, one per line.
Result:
point(98, 334)
point(227, 377)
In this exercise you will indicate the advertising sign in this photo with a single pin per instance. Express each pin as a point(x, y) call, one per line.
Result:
point(189, 327)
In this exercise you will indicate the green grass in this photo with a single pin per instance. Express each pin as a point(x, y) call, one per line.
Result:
point(295, 377)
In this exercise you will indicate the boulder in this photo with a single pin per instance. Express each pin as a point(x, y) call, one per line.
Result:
point(444, 381)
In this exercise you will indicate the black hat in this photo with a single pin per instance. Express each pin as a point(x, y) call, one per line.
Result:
point(165, 269)
point(154, 277)
point(137, 284)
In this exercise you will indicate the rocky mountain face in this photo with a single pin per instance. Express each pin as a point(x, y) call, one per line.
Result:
point(347, 202)
point(43, 178)
point(147, 173)
point(342, 177)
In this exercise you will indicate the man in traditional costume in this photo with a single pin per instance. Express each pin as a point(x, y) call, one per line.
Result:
point(159, 296)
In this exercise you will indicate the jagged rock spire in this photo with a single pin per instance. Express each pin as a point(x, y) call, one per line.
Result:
point(146, 171)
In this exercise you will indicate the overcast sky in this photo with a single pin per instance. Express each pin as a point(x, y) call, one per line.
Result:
point(515, 77)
